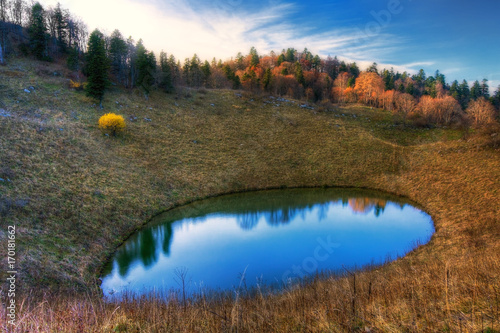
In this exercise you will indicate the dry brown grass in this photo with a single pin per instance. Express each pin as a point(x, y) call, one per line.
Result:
point(75, 195)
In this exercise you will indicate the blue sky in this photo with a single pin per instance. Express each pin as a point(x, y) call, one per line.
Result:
point(460, 38)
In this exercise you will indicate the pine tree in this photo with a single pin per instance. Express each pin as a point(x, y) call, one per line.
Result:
point(280, 60)
point(343, 67)
point(455, 90)
point(165, 82)
point(38, 32)
point(351, 82)
point(254, 60)
point(175, 68)
point(430, 86)
point(464, 93)
point(316, 63)
point(96, 67)
point(410, 89)
point(299, 74)
point(495, 99)
point(73, 60)
point(441, 78)
point(195, 74)
point(373, 68)
point(131, 63)
point(266, 80)
point(240, 64)
point(485, 89)
point(235, 79)
point(3, 29)
point(146, 66)
point(206, 71)
point(332, 67)
point(388, 77)
point(290, 55)
point(476, 91)
point(418, 85)
point(185, 72)
point(354, 69)
point(118, 55)
point(60, 28)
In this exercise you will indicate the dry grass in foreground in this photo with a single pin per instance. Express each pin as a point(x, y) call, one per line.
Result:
point(75, 195)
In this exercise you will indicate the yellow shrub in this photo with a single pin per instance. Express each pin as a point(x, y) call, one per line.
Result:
point(75, 85)
point(112, 123)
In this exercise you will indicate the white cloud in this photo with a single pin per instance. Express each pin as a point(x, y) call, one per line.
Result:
point(224, 28)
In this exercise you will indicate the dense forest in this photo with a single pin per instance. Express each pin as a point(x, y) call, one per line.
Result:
point(55, 34)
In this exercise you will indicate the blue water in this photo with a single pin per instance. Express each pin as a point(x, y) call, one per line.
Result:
point(272, 237)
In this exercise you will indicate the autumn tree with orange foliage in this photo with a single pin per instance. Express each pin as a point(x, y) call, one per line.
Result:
point(481, 112)
point(447, 109)
point(339, 87)
point(425, 108)
point(387, 100)
point(404, 104)
point(350, 95)
point(440, 111)
point(369, 86)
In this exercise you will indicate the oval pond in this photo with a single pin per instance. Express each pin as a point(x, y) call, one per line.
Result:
point(266, 237)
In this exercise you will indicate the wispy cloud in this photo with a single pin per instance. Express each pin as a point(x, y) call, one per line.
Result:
point(226, 27)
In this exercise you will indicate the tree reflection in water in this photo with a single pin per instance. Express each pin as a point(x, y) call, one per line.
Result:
point(365, 205)
point(145, 245)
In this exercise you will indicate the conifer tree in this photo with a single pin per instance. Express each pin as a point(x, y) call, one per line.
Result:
point(195, 74)
point(206, 71)
point(96, 67)
point(3, 29)
point(440, 78)
point(476, 91)
point(266, 80)
point(354, 69)
point(254, 60)
point(174, 67)
point(185, 72)
point(373, 68)
point(38, 32)
point(118, 55)
point(290, 55)
point(235, 79)
point(131, 63)
point(464, 93)
point(60, 28)
point(73, 59)
point(351, 82)
point(299, 74)
point(495, 99)
point(455, 90)
point(146, 66)
point(316, 63)
point(165, 82)
point(240, 61)
point(485, 89)
point(280, 60)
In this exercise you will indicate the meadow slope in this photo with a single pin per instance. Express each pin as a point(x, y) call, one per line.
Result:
point(75, 194)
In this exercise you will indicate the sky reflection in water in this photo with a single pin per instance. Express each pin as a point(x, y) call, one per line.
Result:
point(272, 237)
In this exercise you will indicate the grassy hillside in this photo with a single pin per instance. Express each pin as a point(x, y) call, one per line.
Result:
point(75, 194)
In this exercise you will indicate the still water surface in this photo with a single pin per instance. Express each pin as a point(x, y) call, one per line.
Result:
point(268, 237)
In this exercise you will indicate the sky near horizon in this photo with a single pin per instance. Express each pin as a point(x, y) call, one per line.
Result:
point(458, 37)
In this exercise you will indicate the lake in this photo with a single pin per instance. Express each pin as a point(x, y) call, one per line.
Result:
point(275, 237)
